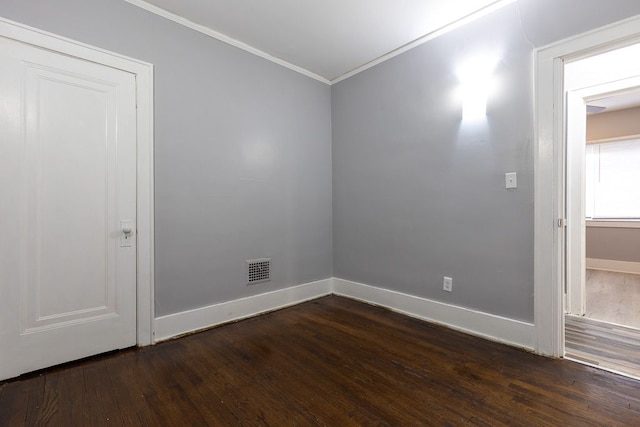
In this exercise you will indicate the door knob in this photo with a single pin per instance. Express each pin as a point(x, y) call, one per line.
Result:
point(127, 228)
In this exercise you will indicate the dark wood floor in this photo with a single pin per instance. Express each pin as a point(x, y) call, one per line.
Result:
point(332, 362)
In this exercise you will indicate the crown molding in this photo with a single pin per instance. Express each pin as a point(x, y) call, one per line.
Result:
point(248, 48)
point(224, 38)
point(432, 35)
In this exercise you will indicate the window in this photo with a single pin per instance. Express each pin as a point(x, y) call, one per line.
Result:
point(613, 180)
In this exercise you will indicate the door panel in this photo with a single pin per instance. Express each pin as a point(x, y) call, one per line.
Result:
point(58, 152)
point(68, 152)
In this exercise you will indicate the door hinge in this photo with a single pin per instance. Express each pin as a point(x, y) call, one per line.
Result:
point(562, 222)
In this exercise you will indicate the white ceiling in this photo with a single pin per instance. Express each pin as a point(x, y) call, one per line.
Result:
point(324, 39)
point(618, 102)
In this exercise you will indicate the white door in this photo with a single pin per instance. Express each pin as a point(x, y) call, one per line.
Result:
point(67, 208)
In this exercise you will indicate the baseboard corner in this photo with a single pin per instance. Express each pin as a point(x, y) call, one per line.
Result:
point(508, 331)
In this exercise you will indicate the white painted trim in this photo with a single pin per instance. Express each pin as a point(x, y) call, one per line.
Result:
point(26, 34)
point(224, 38)
point(575, 184)
point(145, 208)
point(427, 37)
point(144, 97)
point(613, 223)
point(473, 322)
point(240, 45)
point(485, 325)
point(177, 324)
point(613, 265)
point(548, 161)
point(614, 139)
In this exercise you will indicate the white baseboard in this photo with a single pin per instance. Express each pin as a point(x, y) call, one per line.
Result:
point(489, 326)
point(613, 265)
point(173, 325)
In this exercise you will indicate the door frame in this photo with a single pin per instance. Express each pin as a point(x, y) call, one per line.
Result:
point(144, 133)
point(549, 165)
point(577, 101)
point(575, 236)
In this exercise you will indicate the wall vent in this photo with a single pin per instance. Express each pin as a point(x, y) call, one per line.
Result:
point(258, 270)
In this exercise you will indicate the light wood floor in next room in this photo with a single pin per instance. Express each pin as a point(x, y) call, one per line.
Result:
point(613, 297)
point(328, 362)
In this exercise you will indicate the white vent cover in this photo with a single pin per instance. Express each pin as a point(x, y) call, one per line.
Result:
point(258, 270)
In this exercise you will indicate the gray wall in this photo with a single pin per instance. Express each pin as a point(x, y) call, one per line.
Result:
point(619, 244)
point(548, 21)
point(242, 153)
point(417, 194)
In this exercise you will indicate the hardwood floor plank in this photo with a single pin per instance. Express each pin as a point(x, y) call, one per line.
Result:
point(13, 406)
point(36, 403)
point(328, 362)
point(611, 346)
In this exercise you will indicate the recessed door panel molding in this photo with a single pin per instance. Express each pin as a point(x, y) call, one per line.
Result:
point(68, 177)
point(64, 259)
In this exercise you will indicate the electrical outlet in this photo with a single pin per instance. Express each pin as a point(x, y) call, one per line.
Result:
point(447, 284)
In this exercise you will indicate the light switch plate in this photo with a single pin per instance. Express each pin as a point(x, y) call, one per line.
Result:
point(510, 180)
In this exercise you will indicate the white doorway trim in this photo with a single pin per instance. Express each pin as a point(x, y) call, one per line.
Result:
point(549, 173)
point(144, 98)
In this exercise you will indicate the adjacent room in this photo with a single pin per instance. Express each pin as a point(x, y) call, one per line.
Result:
point(605, 330)
point(305, 213)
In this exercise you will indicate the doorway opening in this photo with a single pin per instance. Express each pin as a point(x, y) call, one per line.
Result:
point(602, 205)
point(550, 219)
